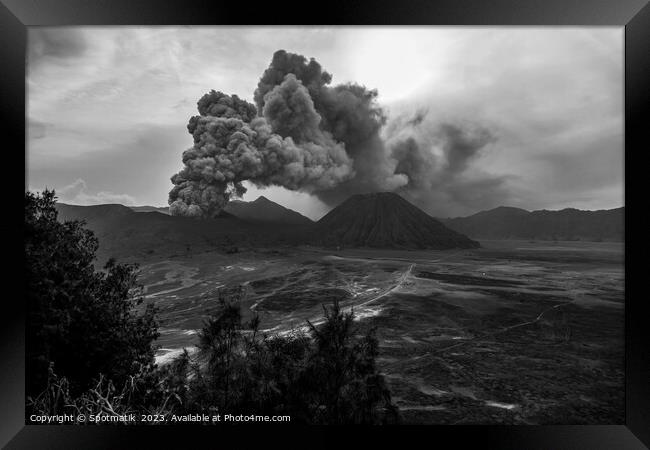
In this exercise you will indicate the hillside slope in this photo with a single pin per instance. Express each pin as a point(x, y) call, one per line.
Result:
point(124, 233)
point(264, 210)
point(386, 220)
point(260, 210)
point(566, 224)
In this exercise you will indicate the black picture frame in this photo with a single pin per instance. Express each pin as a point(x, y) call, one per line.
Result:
point(634, 15)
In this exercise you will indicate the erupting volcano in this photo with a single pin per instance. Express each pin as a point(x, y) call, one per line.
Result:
point(305, 135)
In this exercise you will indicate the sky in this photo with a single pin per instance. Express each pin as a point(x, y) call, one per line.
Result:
point(108, 107)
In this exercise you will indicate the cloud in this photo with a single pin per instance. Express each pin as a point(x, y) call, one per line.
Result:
point(134, 161)
point(441, 159)
point(36, 129)
point(110, 105)
point(77, 194)
point(322, 139)
point(55, 45)
point(553, 100)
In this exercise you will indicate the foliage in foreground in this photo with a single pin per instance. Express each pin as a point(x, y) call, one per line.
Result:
point(325, 375)
point(89, 350)
point(85, 321)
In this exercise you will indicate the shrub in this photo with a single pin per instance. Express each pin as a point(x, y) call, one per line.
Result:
point(324, 375)
point(84, 321)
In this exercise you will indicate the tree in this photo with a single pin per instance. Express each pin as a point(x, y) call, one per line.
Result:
point(89, 345)
point(343, 374)
point(85, 322)
point(327, 375)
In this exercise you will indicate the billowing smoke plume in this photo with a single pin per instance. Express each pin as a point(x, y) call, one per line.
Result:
point(232, 145)
point(303, 134)
point(350, 113)
point(435, 156)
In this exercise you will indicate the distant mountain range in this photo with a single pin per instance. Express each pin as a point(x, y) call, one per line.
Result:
point(264, 210)
point(124, 233)
point(567, 224)
point(259, 210)
point(380, 220)
point(160, 209)
point(386, 220)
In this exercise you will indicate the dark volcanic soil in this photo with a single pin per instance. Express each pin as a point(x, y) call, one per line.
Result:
point(467, 279)
point(515, 332)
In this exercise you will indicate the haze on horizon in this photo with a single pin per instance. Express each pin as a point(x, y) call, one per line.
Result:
point(108, 106)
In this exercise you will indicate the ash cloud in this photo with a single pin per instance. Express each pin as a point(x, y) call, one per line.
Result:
point(232, 145)
point(437, 158)
point(330, 141)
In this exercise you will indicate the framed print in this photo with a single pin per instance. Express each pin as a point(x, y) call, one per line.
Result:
point(411, 216)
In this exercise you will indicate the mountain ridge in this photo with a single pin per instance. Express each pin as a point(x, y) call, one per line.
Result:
point(264, 210)
point(386, 220)
point(261, 210)
point(125, 233)
point(565, 224)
